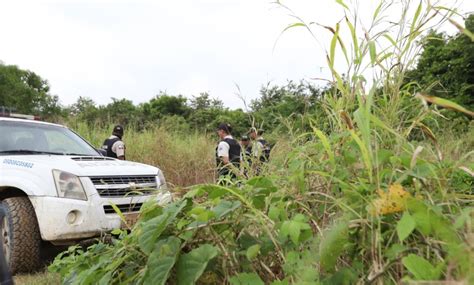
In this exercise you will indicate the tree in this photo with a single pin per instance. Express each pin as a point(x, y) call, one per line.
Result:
point(165, 105)
point(289, 102)
point(446, 66)
point(27, 92)
point(120, 111)
point(205, 111)
point(85, 110)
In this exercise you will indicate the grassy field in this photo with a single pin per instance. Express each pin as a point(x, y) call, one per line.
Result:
point(185, 159)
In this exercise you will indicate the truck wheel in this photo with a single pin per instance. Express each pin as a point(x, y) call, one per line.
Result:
point(20, 235)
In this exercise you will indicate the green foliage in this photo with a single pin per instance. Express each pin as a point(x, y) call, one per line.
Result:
point(162, 260)
point(246, 279)
point(191, 265)
point(405, 226)
point(444, 68)
point(27, 92)
point(420, 267)
point(352, 198)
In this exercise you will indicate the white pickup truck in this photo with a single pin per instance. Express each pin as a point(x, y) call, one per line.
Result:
point(54, 186)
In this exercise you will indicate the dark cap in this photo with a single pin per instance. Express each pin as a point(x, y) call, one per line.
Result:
point(225, 127)
point(118, 129)
point(245, 138)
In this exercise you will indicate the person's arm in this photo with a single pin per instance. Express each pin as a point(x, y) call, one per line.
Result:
point(225, 159)
point(119, 149)
point(223, 152)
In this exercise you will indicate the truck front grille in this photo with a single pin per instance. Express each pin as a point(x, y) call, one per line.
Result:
point(120, 186)
point(126, 208)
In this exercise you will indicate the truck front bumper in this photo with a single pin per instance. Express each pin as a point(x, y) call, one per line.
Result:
point(62, 219)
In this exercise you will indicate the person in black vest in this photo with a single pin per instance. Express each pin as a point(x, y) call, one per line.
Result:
point(261, 148)
point(114, 145)
point(246, 145)
point(227, 152)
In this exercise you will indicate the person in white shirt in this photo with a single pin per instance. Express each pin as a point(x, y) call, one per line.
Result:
point(227, 152)
point(114, 146)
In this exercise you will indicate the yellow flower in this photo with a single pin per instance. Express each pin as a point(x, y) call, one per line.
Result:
point(392, 201)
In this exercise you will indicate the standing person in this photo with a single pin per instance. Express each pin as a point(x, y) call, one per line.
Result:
point(261, 148)
point(246, 146)
point(227, 152)
point(114, 145)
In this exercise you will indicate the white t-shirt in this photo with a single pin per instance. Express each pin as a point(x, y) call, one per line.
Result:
point(223, 147)
point(118, 147)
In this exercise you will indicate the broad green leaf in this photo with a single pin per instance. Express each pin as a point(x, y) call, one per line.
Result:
point(162, 260)
point(428, 221)
point(294, 227)
point(405, 226)
point(262, 184)
point(214, 191)
point(224, 208)
point(252, 251)
point(151, 230)
point(420, 267)
point(246, 279)
point(274, 213)
point(191, 265)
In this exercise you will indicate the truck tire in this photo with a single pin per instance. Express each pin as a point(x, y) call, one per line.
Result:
point(20, 235)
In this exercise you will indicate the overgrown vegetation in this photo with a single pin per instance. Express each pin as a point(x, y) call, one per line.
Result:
point(370, 196)
point(368, 182)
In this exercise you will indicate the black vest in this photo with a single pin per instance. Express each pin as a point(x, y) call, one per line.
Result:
point(234, 156)
point(107, 146)
point(265, 155)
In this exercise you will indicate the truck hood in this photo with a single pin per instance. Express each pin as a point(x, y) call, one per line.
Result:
point(83, 165)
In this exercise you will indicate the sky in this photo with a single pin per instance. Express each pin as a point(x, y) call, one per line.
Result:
point(135, 49)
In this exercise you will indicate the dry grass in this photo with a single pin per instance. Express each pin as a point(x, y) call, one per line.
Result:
point(42, 278)
point(185, 159)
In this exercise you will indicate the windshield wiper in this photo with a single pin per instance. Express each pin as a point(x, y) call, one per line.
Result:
point(27, 151)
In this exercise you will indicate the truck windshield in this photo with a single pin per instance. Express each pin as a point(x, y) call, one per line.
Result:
point(32, 138)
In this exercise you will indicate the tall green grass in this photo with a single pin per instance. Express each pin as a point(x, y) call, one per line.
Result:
point(378, 198)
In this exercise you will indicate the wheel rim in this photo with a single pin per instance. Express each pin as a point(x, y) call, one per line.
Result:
point(6, 238)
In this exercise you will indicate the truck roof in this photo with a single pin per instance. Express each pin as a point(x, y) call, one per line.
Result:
point(29, 121)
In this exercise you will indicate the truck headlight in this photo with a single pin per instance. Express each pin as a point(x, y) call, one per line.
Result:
point(161, 181)
point(68, 185)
